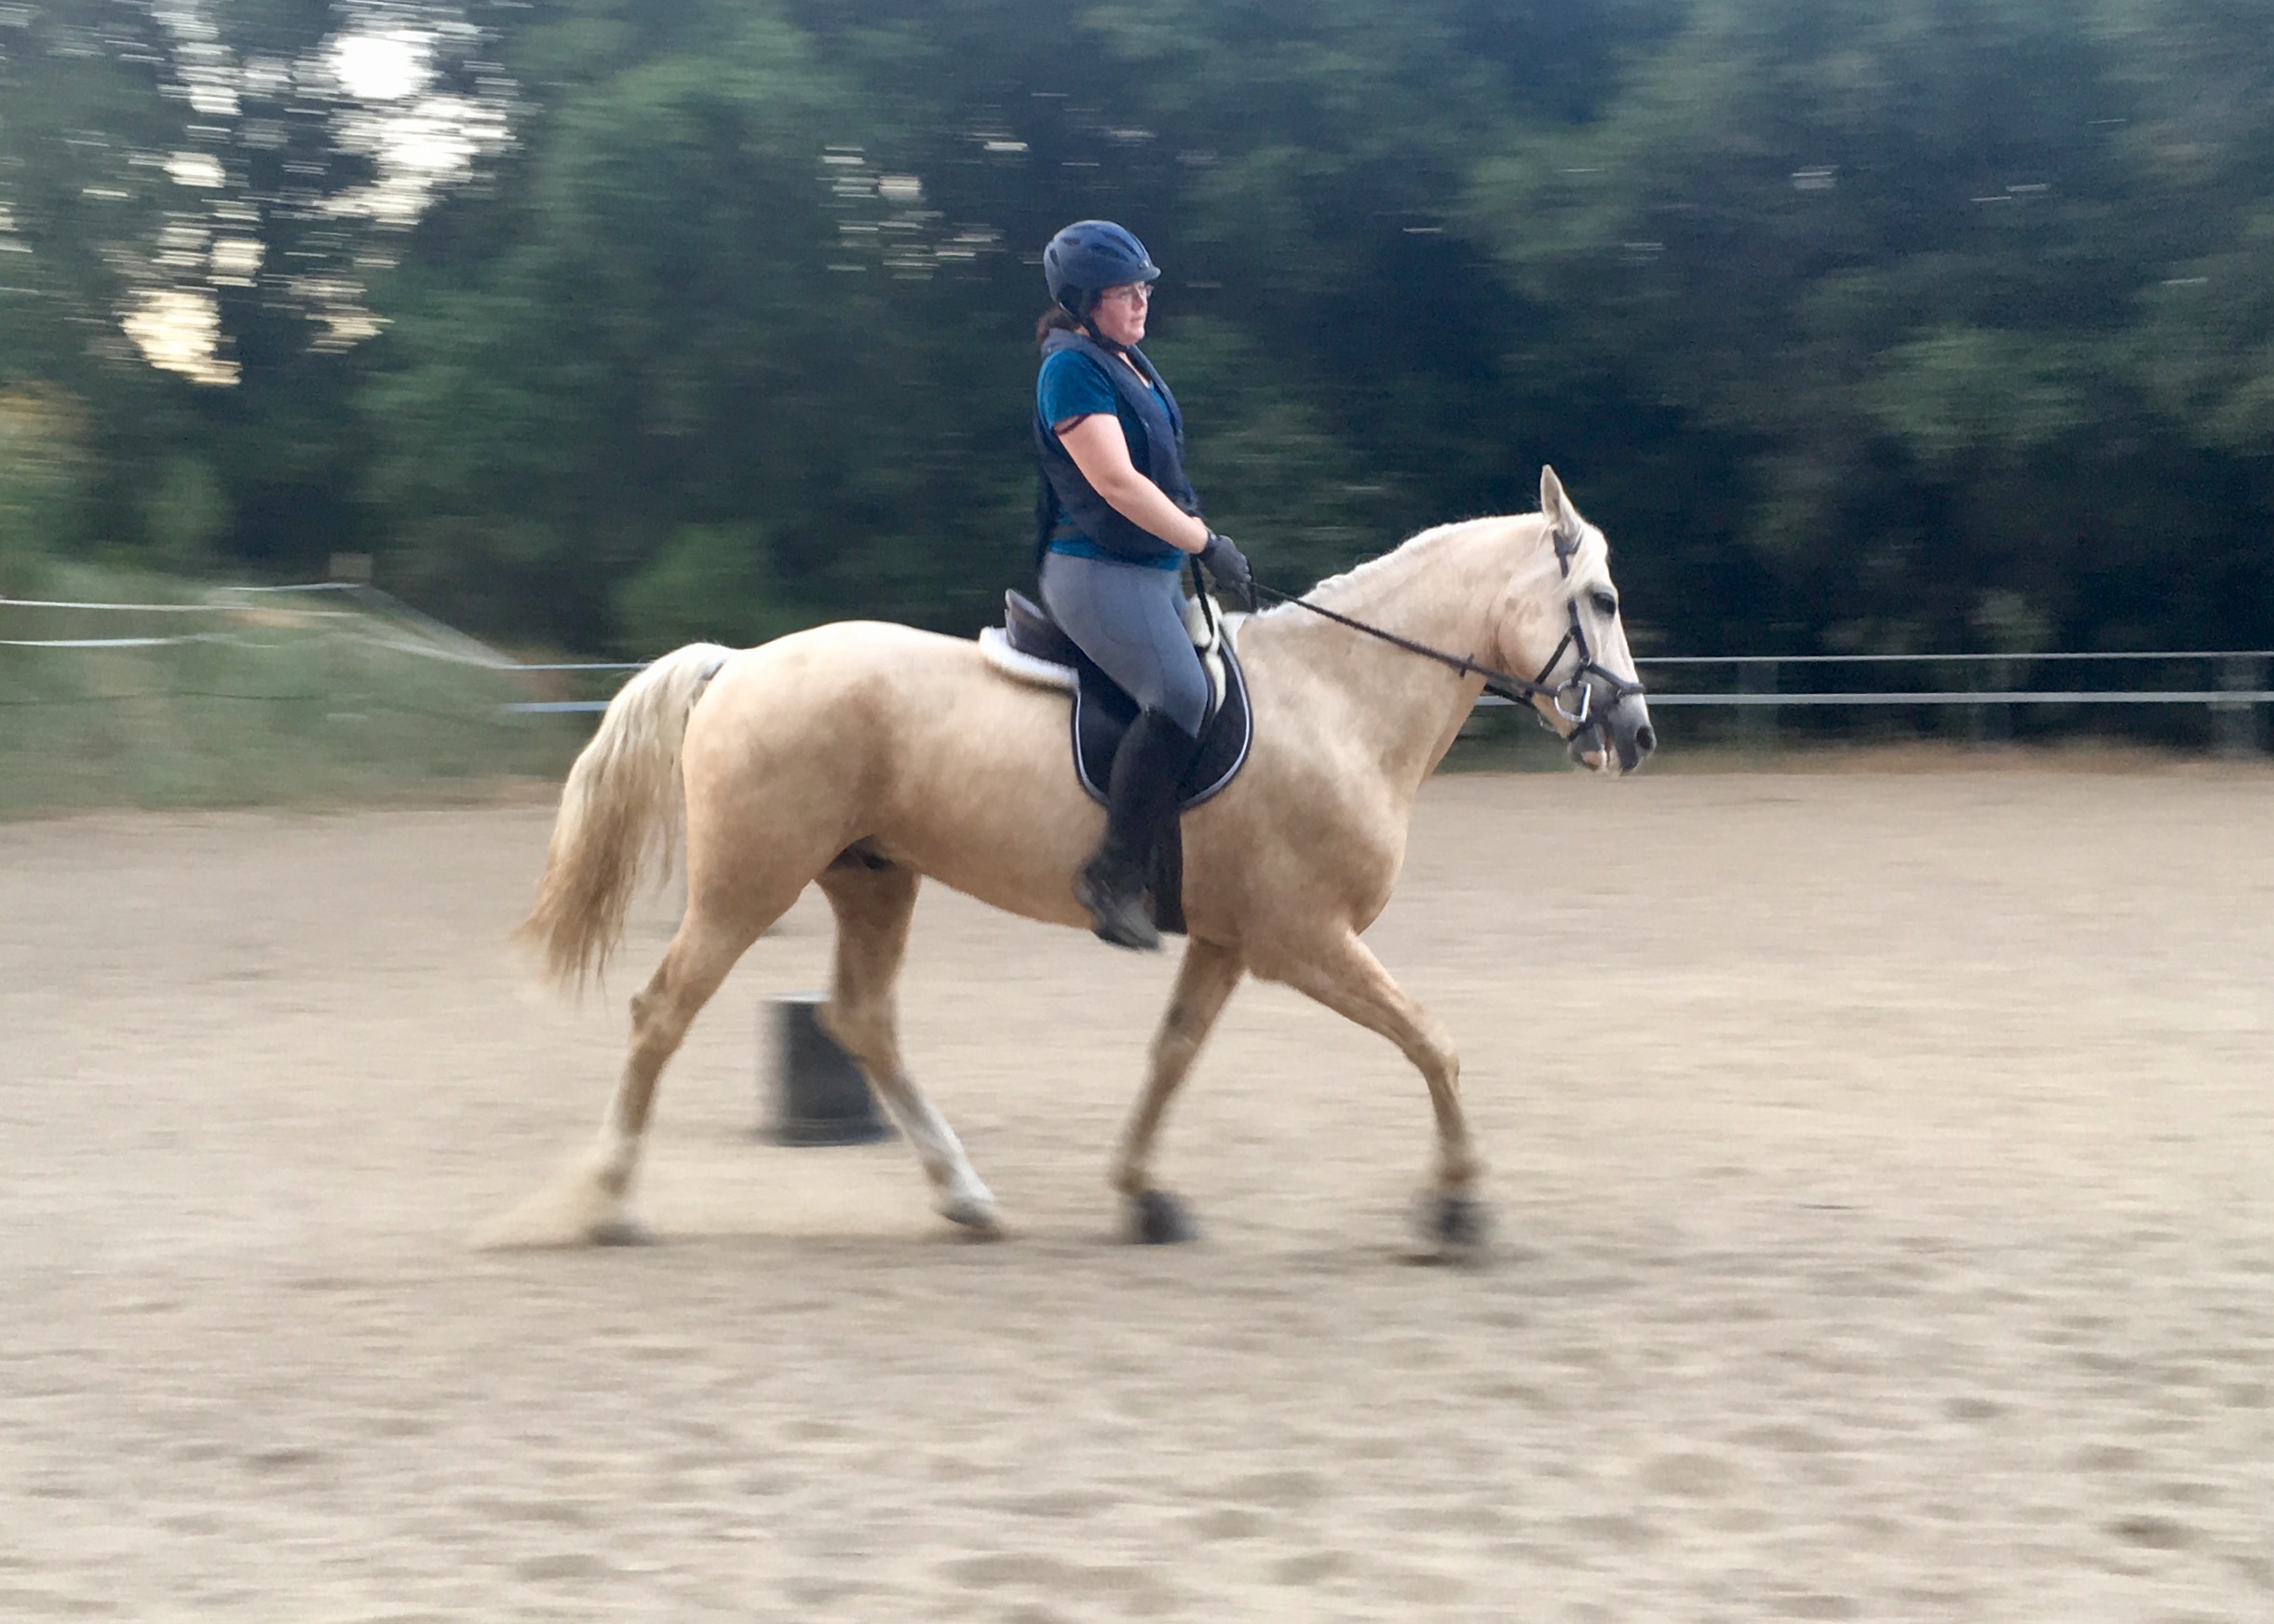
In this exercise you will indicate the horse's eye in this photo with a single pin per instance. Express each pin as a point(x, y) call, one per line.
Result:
point(1606, 606)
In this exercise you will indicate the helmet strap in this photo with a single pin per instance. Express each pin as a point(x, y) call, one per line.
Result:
point(1090, 326)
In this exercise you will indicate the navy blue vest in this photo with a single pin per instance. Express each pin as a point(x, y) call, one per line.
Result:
point(1066, 502)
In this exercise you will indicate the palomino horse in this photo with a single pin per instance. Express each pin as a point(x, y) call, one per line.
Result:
point(868, 756)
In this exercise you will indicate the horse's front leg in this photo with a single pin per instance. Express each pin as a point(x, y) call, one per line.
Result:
point(1347, 977)
point(1203, 983)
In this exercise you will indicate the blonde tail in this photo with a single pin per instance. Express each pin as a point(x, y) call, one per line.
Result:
point(620, 814)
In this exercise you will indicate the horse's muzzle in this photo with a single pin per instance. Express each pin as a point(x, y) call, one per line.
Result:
point(1619, 742)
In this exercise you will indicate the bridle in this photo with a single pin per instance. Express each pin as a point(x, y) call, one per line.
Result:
point(1516, 690)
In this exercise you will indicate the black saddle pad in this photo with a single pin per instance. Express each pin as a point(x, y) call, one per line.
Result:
point(1103, 713)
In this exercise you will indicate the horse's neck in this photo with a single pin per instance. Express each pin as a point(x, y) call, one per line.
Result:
point(1439, 589)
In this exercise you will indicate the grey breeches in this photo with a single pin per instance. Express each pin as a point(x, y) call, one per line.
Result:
point(1129, 620)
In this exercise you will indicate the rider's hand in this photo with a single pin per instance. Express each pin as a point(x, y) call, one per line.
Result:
point(1228, 566)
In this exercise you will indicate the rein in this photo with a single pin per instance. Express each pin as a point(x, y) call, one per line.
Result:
point(1515, 689)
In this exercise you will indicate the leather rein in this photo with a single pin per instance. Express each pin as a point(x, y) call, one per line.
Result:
point(1516, 690)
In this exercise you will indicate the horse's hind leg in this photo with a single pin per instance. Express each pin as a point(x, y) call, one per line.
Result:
point(589, 1202)
point(1348, 978)
point(874, 900)
point(1203, 983)
point(702, 953)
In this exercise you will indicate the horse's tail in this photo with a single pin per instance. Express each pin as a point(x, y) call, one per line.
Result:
point(621, 815)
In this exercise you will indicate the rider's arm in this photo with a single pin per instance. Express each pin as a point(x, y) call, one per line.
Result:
point(1102, 452)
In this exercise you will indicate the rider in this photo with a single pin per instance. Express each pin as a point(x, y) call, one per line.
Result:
point(1116, 519)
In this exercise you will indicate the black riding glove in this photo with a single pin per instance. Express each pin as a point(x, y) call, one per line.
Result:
point(1228, 566)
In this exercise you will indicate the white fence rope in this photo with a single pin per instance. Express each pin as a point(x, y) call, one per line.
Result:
point(1870, 659)
point(1962, 696)
point(103, 642)
point(418, 635)
point(119, 608)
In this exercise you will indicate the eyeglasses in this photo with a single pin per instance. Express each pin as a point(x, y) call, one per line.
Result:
point(1131, 293)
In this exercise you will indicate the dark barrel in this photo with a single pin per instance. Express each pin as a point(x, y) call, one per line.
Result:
point(820, 1095)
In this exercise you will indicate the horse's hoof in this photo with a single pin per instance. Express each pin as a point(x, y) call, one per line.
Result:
point(1157, 1218)
point(974, 1214)
point(1459, 1224)
point(620, 1231)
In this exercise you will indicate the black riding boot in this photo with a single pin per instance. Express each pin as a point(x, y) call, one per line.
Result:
point(1140, 798)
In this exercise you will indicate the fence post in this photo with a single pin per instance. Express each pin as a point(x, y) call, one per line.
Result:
point(1991, 724)
point(1759, 676)
point(2234, 723)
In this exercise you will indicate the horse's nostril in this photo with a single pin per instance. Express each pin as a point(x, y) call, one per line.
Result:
point(1644, 739)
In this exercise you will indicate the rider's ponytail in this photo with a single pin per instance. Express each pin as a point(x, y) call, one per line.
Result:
point(1057, 319)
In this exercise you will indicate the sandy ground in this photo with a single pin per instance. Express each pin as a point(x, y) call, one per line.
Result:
point(1883, 1169)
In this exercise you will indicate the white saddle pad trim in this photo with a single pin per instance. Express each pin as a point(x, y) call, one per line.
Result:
point(994, 648)
point(1020, 666)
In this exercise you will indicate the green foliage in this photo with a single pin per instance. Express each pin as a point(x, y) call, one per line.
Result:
point(710, 583)
point(187, 512)
point(698, 331)
point(2206, 349)
point(261, 703)
point(44, 471)
point(1270, 462)
point(1962, 392)
point(1858, 323)
point(1904, 251)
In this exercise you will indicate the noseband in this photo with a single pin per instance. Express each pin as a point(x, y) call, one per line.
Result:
point(1516, 690)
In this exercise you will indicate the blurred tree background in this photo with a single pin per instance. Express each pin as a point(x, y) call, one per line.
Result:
point(1860, 325)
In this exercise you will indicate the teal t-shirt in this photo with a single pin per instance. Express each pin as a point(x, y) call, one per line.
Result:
point(1071, 384)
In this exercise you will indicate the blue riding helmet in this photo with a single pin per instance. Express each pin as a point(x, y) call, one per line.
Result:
point(1090, 256)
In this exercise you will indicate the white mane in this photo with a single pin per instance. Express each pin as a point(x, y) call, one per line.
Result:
point(1590, 562)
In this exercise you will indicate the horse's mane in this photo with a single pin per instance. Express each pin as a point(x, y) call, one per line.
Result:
point(1353, 582)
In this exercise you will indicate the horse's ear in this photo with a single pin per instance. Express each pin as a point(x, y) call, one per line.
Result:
point(1561, 515)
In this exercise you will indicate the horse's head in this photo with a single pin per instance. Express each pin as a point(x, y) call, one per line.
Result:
point(1560, 623)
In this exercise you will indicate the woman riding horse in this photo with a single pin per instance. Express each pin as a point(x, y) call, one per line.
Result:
point(865, 758)
point(1116, 519)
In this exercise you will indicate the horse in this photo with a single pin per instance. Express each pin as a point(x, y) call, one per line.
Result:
point(866, 757)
